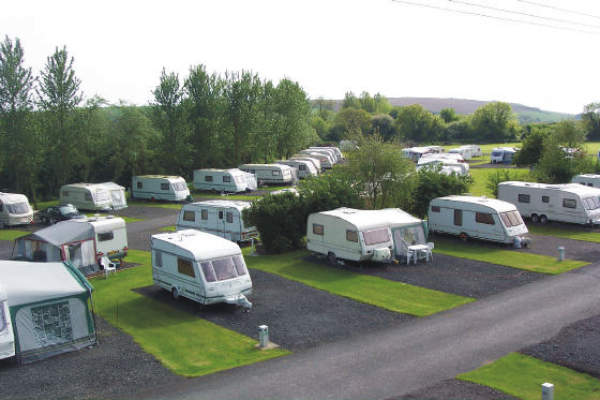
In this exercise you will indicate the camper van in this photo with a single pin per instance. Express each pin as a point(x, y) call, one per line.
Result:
point(314, 161)
point(465, 153)
point(81, 241)
point(202, 267)
point(7, 338)
point(14, 210)
point(270, 174)
point(93, 196)
point(219, 217)
point(324, 159)
point(232, 180)
point(477, 217)
point(503, 155)
point(305, 168)
point(159, 187)
point(363, 235)
point(587, 180)
point(569, 202)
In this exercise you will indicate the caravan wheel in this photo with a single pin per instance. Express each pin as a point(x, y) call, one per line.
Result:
point(543, 219)
point(534, 218)
point(175, 294)
point(463, 236)
point(331, 258)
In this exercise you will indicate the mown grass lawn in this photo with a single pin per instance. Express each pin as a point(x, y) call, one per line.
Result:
point(9, 234)
point(480, 178)
point(508, 258)
point(184, 343)
point(522, 376)
point(564, 232)
point(170, 228)
point(206, 196)
point(384, 293)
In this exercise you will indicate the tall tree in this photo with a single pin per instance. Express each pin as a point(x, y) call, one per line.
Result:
point(59, 94)
point(415, 123)
point(19, 145)
point(591, 121)
point(495, 122)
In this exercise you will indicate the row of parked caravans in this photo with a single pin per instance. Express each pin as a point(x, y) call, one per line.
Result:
point(447, 163)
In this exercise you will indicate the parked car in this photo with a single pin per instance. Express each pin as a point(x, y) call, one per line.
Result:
point(54, 214)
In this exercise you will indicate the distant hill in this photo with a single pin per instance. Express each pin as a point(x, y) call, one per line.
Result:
point(464, 106)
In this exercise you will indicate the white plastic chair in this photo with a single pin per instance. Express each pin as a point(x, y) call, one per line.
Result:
point(108, 266)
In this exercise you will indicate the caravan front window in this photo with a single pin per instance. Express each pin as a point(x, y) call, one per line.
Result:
point(591, 203)
point(164, 186)
point(209, 274)
point(224, 269)
point(376, 236)
point(226, 178)
point(240, 266)
point(511, 218)
point(17, 208)
point(179, 186)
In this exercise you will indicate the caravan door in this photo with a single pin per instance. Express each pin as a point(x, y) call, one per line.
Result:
point(118, 199)
point(405, 236)
point(221, 226)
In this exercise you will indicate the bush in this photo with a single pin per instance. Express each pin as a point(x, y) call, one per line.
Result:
point(432, 184)
point(504, 175)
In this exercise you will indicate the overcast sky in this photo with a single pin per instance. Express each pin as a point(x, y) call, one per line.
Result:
point(328, 46)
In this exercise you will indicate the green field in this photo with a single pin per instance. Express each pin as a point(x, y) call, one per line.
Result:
point(170, 228)
point(480, 178)
point(384, 293)
point(10, 234)
point(243, 197)
point(564, 232)
point(522, 376)
point(184, 343)
point(507, 258)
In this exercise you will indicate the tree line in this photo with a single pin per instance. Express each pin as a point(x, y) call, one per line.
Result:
point(49, 136)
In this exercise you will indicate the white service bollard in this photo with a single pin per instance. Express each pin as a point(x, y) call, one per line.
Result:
point(263, 336)
point(547, 391)
point(561, 253)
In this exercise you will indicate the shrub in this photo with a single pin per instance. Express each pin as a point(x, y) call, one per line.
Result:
point(504, 175)
point(432, 184)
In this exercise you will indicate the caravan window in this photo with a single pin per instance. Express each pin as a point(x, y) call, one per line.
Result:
point(204, 214)
point(591, 203)
point(102, 196)
point(523, 198)
point(164, 186)
point(65, 193)
point(545, 199)
point(103, 237)
point(224, 269)
point(208, 178)
point(185, 267)
point(88, 197)
point(318, 229)
point(569, 203)
point(209, 274)
point(511, 218)
point(484, 218)
point(220, 214)
point(140, 185)
point(301, 167)
point(435, 208)
point(240, 266)
point(52, 323)
point(276, 172)
point(352, 236)
point(18, 208)
point(158, 258)
point(376, 236)
point(458, 217)
point(226, 179)
point(189, 216)
point(179, 186)
point(229, 216)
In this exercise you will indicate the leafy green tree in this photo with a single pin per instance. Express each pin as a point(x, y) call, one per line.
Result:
point(531, 147)
point(432, 184)
point(329, 191)
point(382, 104)
point(353, 121)
point(350, 101)
point(414, 123)
point(58, 95)
point(591, 121)
point(19, 144)
point(504, 175)
point(495, 122)
point(449, 115)
point(568, 133)
point(367, 102)
point(381, 170)
point(383, 124)
point(92, 124)
point(555, 164)
point(457, 131)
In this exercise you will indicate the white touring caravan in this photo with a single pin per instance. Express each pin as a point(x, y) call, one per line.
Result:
point(202, 267)
point(314, 161)
point(464, 152)
point(219, 217)
point(447, 162)
point(7, 337)
point(474, 149)
point(336, 151)
point(587, 180)
point(159, 187)
point(83, 242)
point(478, 217)
point(325, 160)
point(270, 174)
point(569, 202)
point(14, 210)
point(364, 235)
point(331, 157)
point(93, 196)
point(50, 308)
point(305, 168)
point(503, 155)
point(327, 150)
point(232, 180)
point(415, 153)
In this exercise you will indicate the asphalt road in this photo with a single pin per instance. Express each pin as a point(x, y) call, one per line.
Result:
point(401, 360)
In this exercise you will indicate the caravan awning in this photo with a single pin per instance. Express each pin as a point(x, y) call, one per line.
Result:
point(63, 232)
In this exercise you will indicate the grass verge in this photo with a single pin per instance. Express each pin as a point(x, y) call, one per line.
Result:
point(507, 258)
point(184, 343)
point(566, 233)
point(480, 179)
point(244, 197)
point(521, 376)
point(383, 293)
point(12, 234)
point(170, 228)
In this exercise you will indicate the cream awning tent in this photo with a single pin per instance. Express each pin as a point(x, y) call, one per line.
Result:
point(49, 305)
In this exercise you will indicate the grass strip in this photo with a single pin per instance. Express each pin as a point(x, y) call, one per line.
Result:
point(12, 234)
point(244, 197)
point(566, 233)
point(507, 258)
point(383, 293)
point(522, 376)
point(170, 228)
point(480, 178)
point(184, 343)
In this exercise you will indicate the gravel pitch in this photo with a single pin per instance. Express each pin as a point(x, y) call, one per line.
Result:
point(454, 389)
point(115, 368)
point(298, 316)
point(576, 346)
point(447, 274)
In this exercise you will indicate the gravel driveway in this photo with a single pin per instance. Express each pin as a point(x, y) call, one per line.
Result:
point(455, 389)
